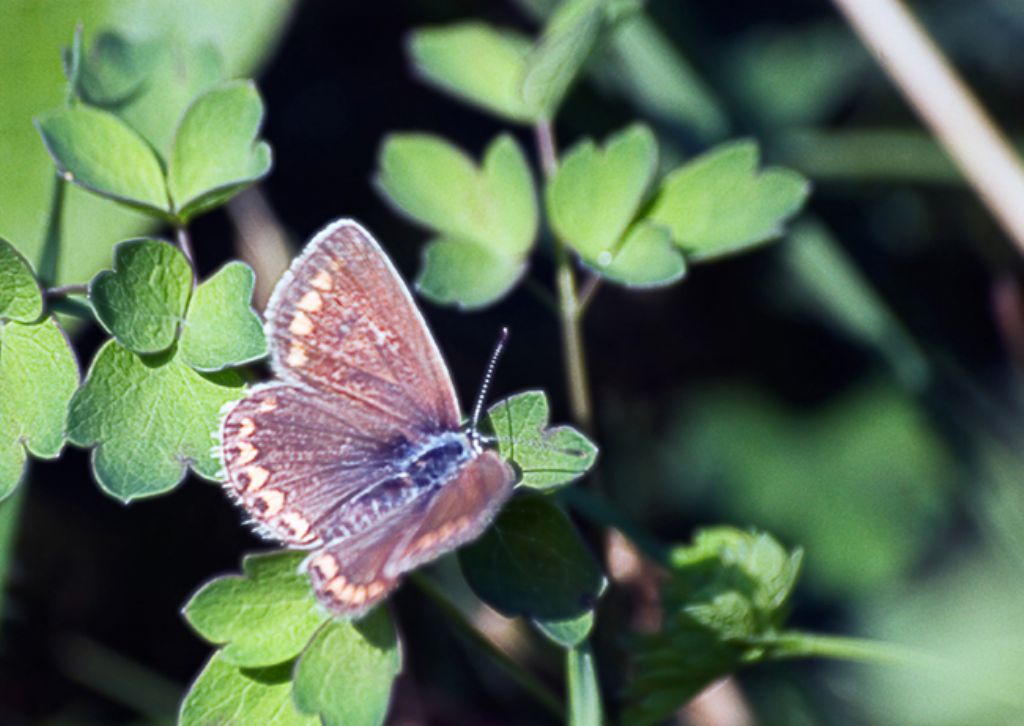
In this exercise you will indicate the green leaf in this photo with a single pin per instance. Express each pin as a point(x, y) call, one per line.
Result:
point(719, 203)
point(142, 301)
point(216, 152)
point(726, 592)
point(99, 152)
point(558, 57)
point(487, 215)
point(346, 673)
point(149, 83)
point(477, 63)
point(647, 258)
point(149, 419)
point(569, 632)
point(38, 376)
point(226, 694)
point(531, 562)
point(596, 193)
point(21, 299)
point(263, 617)
point(458, 272)
point(221, 328)
point(593, 200)
point(115, 69)
point(545, 457)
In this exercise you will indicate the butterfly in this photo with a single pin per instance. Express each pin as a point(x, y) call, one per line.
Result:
point(356, 450)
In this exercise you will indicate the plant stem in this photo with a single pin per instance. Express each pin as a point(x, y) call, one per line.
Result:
point(65, 290)
point(797, 644)
point(185, 243)
point(570, 311)
point(946, 105)
point(526, 680)
point(589, 288)
point(584, 692)
point(47, 271)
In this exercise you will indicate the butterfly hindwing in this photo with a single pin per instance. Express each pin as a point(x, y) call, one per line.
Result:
point(342, 321)
point(458, 513)
point(293, 456)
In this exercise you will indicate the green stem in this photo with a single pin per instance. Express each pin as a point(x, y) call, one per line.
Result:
point(47, 270)
point(570, 310)
point(797, 644)
point(584, 693)
point(526, 680)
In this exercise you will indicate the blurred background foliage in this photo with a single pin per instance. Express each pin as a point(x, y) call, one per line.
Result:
point(854, 389)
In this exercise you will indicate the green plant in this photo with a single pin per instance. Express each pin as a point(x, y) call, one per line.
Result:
point(180, 347)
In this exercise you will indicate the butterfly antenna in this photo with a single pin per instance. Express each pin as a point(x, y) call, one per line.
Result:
point(481, 397)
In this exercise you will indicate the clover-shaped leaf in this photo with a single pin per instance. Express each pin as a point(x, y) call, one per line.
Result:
point(593, 200)
point(720, 203)
point(263, 617)
point(346, 673)
point(545, 457)
point(100, 152)
point(149, 418)
point(148, 83)
point(645, 258)
point(482, 65)
point(38, 376)
point(21, 299)
point(221, 328)
point(725, 601)
point(226, 694)
point(215, 151)
point(142, 300)
point(532, 562)
point(485, 217)
point(558, 57)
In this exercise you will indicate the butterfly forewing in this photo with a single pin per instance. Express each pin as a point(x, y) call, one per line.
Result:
point(342, 321)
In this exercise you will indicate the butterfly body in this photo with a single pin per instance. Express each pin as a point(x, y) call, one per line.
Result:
point(356, 452)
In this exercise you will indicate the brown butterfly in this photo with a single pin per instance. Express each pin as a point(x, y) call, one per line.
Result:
point(356, 450)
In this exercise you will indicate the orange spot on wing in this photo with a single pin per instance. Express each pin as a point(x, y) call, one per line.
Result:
point(247, 427)
point(246, 453)
point(297, 355)
point(257, 478)
point(310, 302)
point(301, 324)
point(322, 281)
point(272, 501)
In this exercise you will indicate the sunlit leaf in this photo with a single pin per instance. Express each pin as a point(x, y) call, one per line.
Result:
point(142, 300)
point(21, 299)
point(346, 674)
point(263, 617)
point(149, 420)
point(221, 328)
point(38, 375)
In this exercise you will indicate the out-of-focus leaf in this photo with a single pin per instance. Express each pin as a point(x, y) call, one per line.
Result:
point(142, 301)
point(346, 673)
point(555, 62)
point(99, 152)
point(221, 328)
point(531, 562)
point(21, 299)
point(263, 617)
point(546, 457)
point(861, 482)
point(726, 591)
point(226, 694)
point(720, 203)
point(31, 38)
point(38, 376)
point(490, 207)
point(481, 65)
point(216, 152)
point(838, 291)
point(149, 420)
